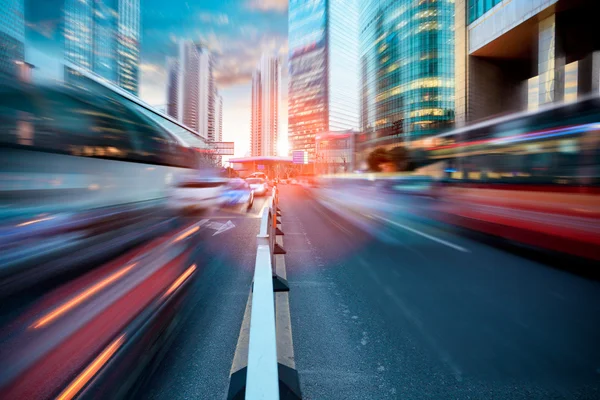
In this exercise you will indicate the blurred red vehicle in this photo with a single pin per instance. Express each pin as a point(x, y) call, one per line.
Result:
point(94, 336)
point(532, 177)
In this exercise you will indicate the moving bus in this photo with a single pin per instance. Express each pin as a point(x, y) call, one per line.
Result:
point(531, 177)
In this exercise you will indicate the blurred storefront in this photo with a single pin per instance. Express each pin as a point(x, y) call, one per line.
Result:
point(272, 166)
point(334, 152)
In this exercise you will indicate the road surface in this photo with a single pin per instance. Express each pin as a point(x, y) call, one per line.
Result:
point(416, 312)
point(385, 307)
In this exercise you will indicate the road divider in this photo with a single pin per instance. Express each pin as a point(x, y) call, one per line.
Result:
point(263, 366)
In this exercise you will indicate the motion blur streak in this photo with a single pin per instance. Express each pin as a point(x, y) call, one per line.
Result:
point(186, 234)
point(83, 378)
point(35, 221)
point(81, 297)
point(180, 280)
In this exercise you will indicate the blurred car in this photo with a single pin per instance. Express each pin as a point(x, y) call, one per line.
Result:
point(261, 175)
point(238, 192)
point(258, 185)
point(95, 336)
point(294, 182)
point(198, 191)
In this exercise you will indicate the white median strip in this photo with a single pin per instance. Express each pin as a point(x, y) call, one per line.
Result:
point(262, 379)
point(425, 235)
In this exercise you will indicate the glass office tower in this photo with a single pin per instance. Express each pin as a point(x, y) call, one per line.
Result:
point(407, 71)
point(103, 37)
point(323, 70)
point(12, 37)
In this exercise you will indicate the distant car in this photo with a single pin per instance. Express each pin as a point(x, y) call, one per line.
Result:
point(258, 185)
point(197, 192)
point(294, 182)
point(260, 175)
point(238, 192)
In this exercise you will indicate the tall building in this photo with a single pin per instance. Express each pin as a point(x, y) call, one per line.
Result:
point(190, 93)
point(265, 106)
point(218, 122)
point(103, 37)
point(207, 94)
point(12, 37)
point(407, 71)
point(521, 54)
point(323, 94)
point(218, 118)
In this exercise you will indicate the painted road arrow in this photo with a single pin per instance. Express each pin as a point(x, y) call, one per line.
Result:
point(219, 227)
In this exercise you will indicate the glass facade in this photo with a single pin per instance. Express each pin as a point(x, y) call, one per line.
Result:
point(103, 37)
point(307, 94)
point(323, 70)
point(12, 35)
point(342, 65)
point(407, 68)
point(479, 7)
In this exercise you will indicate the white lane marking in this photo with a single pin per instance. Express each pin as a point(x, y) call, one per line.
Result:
point(441, 241)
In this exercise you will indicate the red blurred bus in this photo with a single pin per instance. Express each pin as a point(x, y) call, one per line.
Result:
point(531, 177)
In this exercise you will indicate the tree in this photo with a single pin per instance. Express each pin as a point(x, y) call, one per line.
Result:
point(400, 156)
point(376, 158)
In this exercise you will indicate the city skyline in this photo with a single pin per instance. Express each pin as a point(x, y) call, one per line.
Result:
point(237, 32)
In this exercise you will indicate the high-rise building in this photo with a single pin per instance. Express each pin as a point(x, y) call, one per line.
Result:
point(103, 37)
point(12, 37)
point(407, 71)
point(323, 94)
point(190, 92)
point(521, 54)
point(218, 122)
point(207, 94)
point(265, 106)
point(218, 118)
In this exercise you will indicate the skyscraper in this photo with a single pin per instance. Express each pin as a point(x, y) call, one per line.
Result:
point(218, 118)
point(265, 107)
point(218, 121)
point(190, 92)
point(323, 70)
point(407, 71)
point(207, 94)
point(103, 37)
point(12, 36)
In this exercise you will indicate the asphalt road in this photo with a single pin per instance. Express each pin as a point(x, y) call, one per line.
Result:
point(198, 362)
point(386, 307)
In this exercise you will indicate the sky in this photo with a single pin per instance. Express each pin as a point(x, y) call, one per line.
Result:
point(237, 32)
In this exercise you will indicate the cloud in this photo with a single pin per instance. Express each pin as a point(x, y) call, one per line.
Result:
point(219, 19)
point(238, 57)
point(268, 5)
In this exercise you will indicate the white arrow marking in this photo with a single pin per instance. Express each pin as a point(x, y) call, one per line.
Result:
point(224, 227)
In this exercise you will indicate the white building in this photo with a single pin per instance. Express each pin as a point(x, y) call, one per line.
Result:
point(218, 120)
point(190, 93)
point(265, 106)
